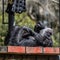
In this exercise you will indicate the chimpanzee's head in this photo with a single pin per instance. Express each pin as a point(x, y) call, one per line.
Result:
point(46, 32)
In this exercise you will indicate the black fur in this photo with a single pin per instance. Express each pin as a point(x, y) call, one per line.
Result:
point(24, 36)
point(39, 26)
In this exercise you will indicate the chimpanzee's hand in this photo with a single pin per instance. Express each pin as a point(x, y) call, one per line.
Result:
point(39, 26)
point(48, 42)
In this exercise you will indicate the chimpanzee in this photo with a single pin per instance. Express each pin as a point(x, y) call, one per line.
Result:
point(25, 36)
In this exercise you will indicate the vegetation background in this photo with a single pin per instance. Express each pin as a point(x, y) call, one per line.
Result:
point(48, 12)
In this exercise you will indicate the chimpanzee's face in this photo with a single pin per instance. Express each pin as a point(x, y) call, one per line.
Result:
point(46, 32)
